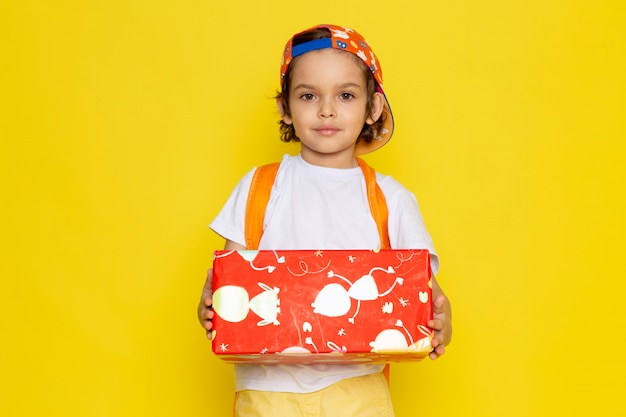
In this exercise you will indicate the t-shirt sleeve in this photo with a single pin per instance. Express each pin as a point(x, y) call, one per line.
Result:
point(406, 225)
point(230, 221)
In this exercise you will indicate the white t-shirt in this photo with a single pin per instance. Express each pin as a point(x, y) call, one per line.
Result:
point(313, 207)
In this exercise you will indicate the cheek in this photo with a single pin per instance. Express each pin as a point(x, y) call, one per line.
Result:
point(300, 111)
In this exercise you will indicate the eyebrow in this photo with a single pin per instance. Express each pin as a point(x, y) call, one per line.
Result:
point(311, 87)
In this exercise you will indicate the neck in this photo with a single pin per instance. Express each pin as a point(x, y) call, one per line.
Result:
point(339, 160)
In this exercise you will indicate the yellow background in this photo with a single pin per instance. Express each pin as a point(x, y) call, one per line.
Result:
point(125, 124)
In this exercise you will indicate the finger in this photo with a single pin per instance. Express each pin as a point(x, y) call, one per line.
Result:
point(437, 340)
point(437, 351)
point(435, 324)
point(204, 315)
point(205, 312)
point(207, 289)
point(440, 350)
point(209, 279)
point(438, 304)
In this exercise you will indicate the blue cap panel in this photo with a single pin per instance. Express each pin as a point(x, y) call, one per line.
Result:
point(313, 45)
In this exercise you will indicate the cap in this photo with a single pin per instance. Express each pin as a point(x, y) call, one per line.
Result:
point(346, 39)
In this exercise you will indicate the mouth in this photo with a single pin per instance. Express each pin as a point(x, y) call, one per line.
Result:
point(326, 130)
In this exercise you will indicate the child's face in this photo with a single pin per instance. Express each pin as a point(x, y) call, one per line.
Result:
point(328, 100)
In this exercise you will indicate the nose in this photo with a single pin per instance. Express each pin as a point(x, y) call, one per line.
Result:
point(327, 108)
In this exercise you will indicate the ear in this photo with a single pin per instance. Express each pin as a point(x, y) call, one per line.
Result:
point(281, 109)
point(378, 103)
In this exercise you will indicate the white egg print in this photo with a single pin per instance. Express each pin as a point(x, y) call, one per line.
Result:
point(393, 340)
point(232, 303)
point(335, 301)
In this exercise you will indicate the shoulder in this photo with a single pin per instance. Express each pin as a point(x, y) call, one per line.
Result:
point(398, 197)
point(391, 187)
point(286, 163)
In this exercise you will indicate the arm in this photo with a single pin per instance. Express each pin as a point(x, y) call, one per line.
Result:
point(441, 322)
point(205, 309)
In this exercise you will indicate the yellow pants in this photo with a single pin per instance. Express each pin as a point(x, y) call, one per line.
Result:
point(365, 396)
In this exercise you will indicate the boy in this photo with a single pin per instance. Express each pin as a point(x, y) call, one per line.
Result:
point(332, 102)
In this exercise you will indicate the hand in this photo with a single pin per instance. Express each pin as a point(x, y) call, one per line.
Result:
point(205, 310)
point(441, 322)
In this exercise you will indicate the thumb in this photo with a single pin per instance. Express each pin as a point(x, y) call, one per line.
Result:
point(207, 290)
point(209, 279)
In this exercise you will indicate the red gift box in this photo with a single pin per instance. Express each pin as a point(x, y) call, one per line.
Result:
point(321, 306)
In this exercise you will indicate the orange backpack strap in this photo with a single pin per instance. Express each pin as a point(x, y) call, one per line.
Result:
point(378, 207)
point(258, 197)
point(378, 204)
